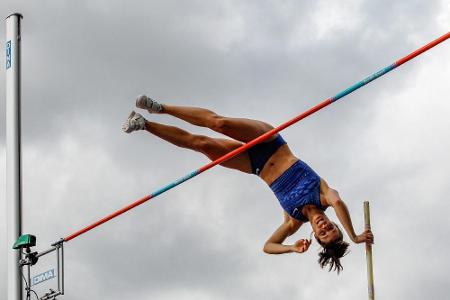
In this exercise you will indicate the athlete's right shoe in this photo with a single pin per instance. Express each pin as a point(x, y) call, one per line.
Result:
point(134, 122)
point(149, 104)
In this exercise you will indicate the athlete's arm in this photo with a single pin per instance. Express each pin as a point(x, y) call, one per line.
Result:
point(343, 215)
point(274, 244)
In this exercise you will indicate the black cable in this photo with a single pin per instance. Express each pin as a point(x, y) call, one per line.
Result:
point(24, 279)
point(37, 297)
point(26, 283)
point(27, 287)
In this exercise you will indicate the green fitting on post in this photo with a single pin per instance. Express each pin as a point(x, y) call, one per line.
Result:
point(25, 241)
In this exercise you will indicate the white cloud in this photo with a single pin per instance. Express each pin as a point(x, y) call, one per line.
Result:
point(332, 17)
point(444, 15)
point(386, 142)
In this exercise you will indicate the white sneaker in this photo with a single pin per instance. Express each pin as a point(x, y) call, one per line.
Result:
point(134, 122)
point(149, 104)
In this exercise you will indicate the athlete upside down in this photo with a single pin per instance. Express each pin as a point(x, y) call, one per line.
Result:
point(303, 195)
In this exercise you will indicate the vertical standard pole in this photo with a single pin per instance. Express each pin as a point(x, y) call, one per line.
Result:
point(369, 253)
point(13, 155)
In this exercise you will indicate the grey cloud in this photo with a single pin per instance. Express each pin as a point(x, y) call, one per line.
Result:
point(85, 61)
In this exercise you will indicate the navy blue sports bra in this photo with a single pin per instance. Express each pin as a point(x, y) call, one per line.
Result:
point(260, 153)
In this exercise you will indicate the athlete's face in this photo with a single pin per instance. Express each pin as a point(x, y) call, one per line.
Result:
point(324, 230)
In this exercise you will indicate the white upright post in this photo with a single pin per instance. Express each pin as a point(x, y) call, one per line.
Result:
point(13, 155)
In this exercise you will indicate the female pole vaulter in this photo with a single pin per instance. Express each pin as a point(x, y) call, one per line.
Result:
point(302, 194)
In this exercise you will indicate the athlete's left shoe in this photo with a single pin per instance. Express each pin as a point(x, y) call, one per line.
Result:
point(153, 106)
point(134, 122)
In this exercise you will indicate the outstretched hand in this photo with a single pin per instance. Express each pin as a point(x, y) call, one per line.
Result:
point(301, 246)
point(365, 237)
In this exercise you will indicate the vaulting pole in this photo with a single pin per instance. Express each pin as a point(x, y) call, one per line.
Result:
point(260, 138)
point(370, 285)
point(13, 155)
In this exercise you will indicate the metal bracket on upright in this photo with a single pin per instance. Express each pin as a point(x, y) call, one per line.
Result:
point(32, 257)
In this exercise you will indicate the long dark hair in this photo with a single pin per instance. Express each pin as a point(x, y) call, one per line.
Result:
point(332, 252)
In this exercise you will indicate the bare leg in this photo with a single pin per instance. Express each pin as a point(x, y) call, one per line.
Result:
point(211, 147)
point(240, 129)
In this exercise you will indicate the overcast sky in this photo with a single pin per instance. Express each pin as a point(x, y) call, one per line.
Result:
point(84, 62)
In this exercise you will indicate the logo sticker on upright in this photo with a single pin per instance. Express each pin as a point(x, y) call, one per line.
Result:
point(43, 277)
point(8, 55)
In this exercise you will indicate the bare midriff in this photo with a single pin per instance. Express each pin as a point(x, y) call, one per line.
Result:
point(279, 162)
point(282, 160)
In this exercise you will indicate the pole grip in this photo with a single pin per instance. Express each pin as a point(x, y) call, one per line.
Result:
point(371, 288)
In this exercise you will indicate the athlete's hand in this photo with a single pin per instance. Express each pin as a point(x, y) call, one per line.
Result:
point(301, 246)
point(365, 237)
